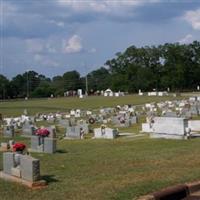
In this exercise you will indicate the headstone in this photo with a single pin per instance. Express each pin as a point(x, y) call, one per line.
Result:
point(64, 123)
point(8, 131)
point(170, 114)
point(30, 168)
point(49, 145)
point(52, 131)
point(147, 128)
point(194, 125)
point(169, 127)
point(22, 166)
point(43, 144)
point(105, 133)
point(73, 132)
point(28, 129)
point(82, 124)
point(8, 162)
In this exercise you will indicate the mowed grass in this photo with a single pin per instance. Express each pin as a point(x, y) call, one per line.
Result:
point(14, 108)
point(118, 169)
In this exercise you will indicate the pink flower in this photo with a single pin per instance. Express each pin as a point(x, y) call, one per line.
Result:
point(42, 132)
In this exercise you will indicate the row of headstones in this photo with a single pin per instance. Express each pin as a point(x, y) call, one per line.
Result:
point(38, 143)
point(48, 144)
point(183, 109)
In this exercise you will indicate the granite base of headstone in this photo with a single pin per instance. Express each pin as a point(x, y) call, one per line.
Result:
point(22, 169)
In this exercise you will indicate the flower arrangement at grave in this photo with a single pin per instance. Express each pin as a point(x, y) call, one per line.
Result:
point(121, 119)
point(91, 120)
point(42, 132)
point(18, 147)
point(103, 126)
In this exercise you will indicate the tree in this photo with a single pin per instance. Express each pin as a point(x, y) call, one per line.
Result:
point(99, 79)
point(71, 80)
point(4, 87)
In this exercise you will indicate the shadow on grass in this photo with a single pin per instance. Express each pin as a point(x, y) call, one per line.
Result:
point(49, 179)
point(61, 151)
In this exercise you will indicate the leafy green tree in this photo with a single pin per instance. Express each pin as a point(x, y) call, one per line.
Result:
point(99, 79)
point(4, 87)
point(43, 90)
point(71, 80)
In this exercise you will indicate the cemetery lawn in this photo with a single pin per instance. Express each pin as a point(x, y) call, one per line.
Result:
point(33, 106)
point(119, 169)
point(105, 169)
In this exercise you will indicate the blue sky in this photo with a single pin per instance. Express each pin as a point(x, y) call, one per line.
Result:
point(55, 36)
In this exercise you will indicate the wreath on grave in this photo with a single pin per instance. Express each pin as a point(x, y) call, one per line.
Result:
point(43, 132)
point(103, 126)
point(91, 120)
point(19, 147)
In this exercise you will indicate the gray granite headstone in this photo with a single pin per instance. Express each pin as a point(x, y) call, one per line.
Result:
point(30, 168)
point(73, 132)
point(64, 122)
point(43, 144)
point(49, 145)
point(169, 127)
point(8, 162)
point(28, 129)
point(35, 142)
point(52, 131)
point(8, 131)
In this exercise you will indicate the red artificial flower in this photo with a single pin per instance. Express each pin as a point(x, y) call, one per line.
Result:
point(42, 132)
point(19, 147)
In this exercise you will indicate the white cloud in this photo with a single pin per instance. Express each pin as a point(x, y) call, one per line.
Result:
point(34, 45)
point(187, 39)
point(103, 6)
point(37, 57)
point(73, 45)
point(7, 8)
point(45, 61)
point(92, 50)
point(50, 48)
point(193, 18)
point(57, 23)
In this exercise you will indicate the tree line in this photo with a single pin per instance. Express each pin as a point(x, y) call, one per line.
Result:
point(175, 66)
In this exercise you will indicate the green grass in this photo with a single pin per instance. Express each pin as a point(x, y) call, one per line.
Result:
point(119, 169)
point(14, 108)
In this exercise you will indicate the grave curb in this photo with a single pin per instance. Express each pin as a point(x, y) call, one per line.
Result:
point(188, 188)
point(193, 187)
point(5, 150)
point(33, 185)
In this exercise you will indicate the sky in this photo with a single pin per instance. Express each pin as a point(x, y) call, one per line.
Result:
point(55, 36)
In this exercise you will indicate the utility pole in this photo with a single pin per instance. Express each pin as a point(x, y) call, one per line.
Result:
point(4, 92)
point(86, 85)
point(86, 81)
point(27, 85)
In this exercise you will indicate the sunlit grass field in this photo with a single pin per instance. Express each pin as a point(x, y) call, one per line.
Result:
point(119, 169)
point(13, 108)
